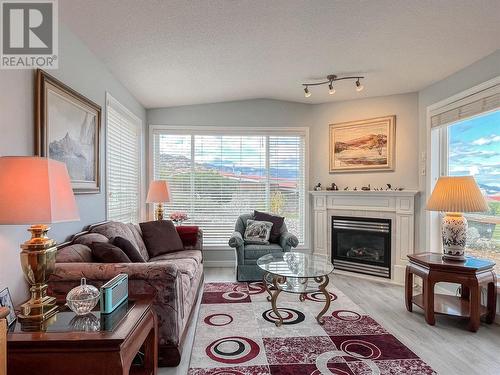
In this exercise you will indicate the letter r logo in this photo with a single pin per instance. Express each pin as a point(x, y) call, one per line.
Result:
point(27, 27)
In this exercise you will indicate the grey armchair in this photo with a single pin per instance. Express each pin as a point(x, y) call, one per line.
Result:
point(247, 254)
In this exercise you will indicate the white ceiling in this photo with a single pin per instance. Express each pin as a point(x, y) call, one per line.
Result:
point(171, 53)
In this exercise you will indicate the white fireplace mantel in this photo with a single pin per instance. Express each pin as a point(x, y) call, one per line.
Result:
point(398, 206)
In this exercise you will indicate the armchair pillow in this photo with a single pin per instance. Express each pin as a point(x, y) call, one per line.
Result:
point(277, 224)
point(258, 232)
point(128, 248)
point(104, 252)
point(160, 237)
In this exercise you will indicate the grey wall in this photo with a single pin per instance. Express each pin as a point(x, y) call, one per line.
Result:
point(479, 72)
point(405, 107)
point(256, 112)
point(82, 71)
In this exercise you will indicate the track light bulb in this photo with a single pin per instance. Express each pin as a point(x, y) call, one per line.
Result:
point(359, 86)
point(331, 90)
point(306, 92)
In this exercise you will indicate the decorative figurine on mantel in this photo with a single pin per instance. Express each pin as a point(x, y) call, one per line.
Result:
point(318, 187)
point(389, 187)
point(346, 188)
point(366, 188)
point(333, 187)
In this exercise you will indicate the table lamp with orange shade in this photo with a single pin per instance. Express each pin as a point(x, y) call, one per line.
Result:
point(36, 190)
point(159, 192)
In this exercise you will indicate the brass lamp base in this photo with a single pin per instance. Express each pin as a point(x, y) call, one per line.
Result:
point(38, 259)
point(159, 212)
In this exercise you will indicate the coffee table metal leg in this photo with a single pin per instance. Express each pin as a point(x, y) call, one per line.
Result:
point(323, 283)
point(266, 286)
point(274, 296)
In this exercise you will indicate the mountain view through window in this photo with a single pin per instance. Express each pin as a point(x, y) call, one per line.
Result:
point(474, 149)
point(216, 178)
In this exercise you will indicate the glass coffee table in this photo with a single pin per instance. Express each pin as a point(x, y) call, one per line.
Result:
point(294, 272)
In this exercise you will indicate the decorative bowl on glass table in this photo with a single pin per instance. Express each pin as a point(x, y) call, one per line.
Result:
point(82, 299)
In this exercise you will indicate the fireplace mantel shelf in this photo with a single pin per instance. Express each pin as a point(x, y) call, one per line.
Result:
point(398, 206)
point(401, 193)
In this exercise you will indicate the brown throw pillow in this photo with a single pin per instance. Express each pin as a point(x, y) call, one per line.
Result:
point(104, 252)
point(160, 237)
point(128, 248)
point(277, 224)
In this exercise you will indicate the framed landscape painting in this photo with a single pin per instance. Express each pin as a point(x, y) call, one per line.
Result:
point(364, 145)
point(67, 129)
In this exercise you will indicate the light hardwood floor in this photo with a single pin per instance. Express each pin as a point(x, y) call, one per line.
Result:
point(448, 347)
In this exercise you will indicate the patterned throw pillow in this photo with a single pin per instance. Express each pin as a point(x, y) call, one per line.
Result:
point(258, 232)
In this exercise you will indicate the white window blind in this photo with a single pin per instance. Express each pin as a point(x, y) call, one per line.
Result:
point(123, 163)
point(475, 104)
point(216, 177)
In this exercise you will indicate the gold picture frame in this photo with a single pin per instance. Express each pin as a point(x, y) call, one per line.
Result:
point(67, 129)
point(363, 145)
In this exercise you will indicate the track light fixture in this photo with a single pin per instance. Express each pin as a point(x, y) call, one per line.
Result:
point(359, 86)
point(329, 80)
point(331, 90)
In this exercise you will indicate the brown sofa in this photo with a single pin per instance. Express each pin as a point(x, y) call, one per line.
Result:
point(175, 279)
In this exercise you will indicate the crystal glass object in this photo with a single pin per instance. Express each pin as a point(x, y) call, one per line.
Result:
point(82, 299)
point(86, 323)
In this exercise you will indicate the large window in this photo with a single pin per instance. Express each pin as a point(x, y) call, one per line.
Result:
point(474, 149)
point(217, 175)
point(123, 163)
point(466, 141)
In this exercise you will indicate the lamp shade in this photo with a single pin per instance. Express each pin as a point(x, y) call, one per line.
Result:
point(457, 194)
point(159, 192)
point(35, 190)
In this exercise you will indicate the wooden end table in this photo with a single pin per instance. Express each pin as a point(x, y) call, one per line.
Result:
point(471, 274)
point(97, 345)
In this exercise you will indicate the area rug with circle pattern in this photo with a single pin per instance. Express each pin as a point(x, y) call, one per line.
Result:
point(236, 335)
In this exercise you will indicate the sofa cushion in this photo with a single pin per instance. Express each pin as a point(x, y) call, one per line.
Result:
point(139, 242)
point(128, 248)
point(256, 251)
point(277, 224)
point(128, 231)
point(88, 238)
point(104, 252)
point(160, 237)
point(184, 254)
point(75, 253)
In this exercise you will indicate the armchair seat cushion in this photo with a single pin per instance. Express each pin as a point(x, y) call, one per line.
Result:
point(256, 251)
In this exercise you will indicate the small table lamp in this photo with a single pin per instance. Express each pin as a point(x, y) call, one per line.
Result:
point(36, 190)
point(159, 192)
point(455, 195)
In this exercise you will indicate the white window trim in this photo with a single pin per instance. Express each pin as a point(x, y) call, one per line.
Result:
point(437, 142)
point(142, 201)
point(226, 130)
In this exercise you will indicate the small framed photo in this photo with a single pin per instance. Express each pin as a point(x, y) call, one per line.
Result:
point(6, 301)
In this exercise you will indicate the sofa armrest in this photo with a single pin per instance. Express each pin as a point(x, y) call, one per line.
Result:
point(288, 240)
point(160, 270)
point(236, 240)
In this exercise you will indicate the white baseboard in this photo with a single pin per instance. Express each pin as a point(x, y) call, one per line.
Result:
point(219, 263)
